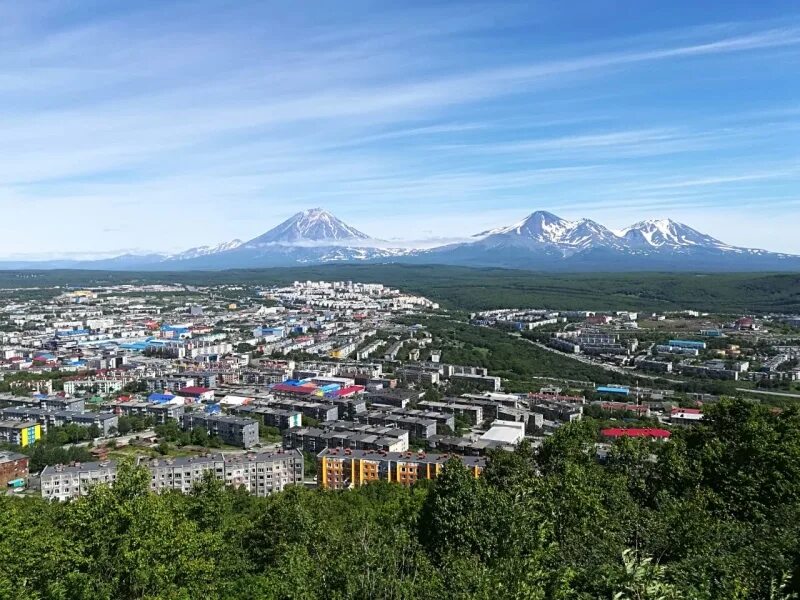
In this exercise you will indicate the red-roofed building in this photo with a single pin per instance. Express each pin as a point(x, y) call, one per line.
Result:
point(197, 394)
point(347, 392)
point(652, 433)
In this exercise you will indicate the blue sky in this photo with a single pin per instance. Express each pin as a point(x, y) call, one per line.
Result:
point(162, 125)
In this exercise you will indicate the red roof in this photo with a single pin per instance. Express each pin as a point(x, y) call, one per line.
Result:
point(299, 389)
point(194, 390)
point(349, 391)
point(650, 432)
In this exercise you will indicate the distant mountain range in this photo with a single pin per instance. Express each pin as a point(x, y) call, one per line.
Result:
point(541, 241)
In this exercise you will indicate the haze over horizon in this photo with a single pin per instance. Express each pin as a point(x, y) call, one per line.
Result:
point(131, 127)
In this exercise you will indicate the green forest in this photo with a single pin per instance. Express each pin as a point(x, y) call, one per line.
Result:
point(712, 514)
point(514, 359)
point(482, 288)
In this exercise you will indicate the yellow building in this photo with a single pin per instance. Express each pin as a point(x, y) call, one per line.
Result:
point(342, 468)
point(20, 433)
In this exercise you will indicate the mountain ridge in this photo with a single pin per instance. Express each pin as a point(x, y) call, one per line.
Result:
point(540, 241)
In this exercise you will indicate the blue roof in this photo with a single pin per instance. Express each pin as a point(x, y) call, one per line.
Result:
point(134, 346)
point(160, 397)
point(611, 389)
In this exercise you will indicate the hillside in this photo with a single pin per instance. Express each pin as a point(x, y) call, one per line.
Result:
point(475, 289)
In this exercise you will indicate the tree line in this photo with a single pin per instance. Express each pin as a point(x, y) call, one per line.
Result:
point(712, 514)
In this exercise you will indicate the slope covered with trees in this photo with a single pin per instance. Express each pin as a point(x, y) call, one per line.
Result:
point(480, 288)
point(716, 515)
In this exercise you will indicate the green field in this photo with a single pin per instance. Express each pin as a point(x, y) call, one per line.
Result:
point(476, 289)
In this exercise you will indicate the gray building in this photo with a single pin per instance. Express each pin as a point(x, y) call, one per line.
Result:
point(236, 431)
point(259, 473)
point(417, 428)
point(270, 417)
point(65, 482)
point(58, 418)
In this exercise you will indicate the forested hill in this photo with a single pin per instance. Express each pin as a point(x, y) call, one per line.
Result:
point(715, 516)
point(476, 289)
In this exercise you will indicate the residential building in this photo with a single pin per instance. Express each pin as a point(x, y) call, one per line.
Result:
point(20, 433)
point(236, 431)
point(13, 467)
point(341, 468)
point(67, 482)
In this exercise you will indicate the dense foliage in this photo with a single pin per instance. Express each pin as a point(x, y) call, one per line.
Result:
point(478, 289)
point(716, 515)
point(514, 359)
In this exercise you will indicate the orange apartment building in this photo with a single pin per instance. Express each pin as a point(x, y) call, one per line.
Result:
point(342, 468)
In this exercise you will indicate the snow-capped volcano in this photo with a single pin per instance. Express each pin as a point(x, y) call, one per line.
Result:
point(540, 241)
point(543, 229)
point(545, 241)
point(312, 236)
point(666, 233)
point(314, 225)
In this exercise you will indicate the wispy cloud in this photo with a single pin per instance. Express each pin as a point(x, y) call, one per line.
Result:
point(226, 119)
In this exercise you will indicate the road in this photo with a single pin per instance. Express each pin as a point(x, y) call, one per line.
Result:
point(122, 440)
point(611, 368)
point(781, 394)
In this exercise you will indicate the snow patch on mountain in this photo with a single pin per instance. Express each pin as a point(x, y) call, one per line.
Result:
point(205, 250)
point(309, 226)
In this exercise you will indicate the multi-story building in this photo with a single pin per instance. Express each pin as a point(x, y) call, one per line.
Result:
point(236, 431)
point(161, 413)
point(419, 375)
point(259, 473)
point(394, 397)
point(472, 412)
point(447, 420)
point(106, 422)
point(271, 417)
point(482, 382)
point(314, 410)
point(342, 468)
point(20, 433)
point(416, 427)
point(346, 434)
point(168, 382)
point(99, 385)
point(13, 466)
point(60, 403)
point(65, 482)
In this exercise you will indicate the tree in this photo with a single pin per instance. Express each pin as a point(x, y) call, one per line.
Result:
point(124, 425)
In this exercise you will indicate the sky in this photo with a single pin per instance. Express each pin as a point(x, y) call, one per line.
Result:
point(129, 125)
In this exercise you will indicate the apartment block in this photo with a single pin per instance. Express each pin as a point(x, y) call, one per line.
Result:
point(236, 431)
point(340, 468)
point(20, 433)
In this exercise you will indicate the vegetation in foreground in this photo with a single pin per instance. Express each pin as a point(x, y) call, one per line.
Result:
point(715, 516)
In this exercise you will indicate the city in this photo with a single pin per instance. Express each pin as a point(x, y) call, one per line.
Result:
point(485, 300)
point(314, 382)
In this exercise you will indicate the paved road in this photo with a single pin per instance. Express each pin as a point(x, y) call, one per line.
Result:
point(781, 394)
point(611, 368)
